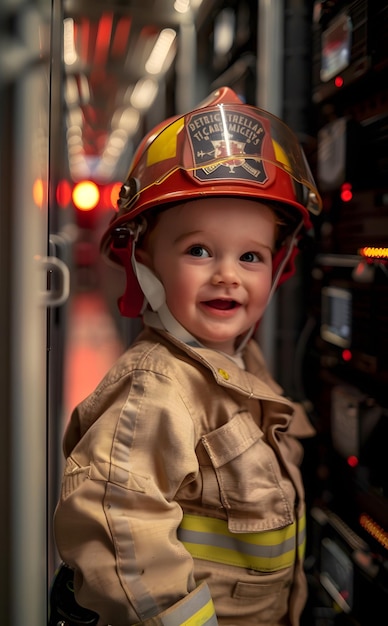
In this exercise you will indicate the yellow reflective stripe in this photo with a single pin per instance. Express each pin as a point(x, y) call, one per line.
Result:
point(196, 609)
point(233, 557)
point(302, 548)
point(301, 537)
point(202, 616)
point(211, 525)
point(209, 539)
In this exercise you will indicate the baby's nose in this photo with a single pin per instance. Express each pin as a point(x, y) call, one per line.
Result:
point(226, 273)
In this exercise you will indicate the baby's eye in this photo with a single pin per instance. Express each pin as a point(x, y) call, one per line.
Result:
point(198, 251)
point(250, 257)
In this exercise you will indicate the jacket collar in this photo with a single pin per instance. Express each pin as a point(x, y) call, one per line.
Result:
point(255, 382)
point(252, 382)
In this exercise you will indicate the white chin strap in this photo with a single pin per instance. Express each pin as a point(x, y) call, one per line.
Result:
point(155, 297)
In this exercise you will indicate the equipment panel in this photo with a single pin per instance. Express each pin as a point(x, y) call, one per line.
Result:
point(345, 369)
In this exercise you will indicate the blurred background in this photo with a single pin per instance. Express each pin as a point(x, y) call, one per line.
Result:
point(81, 82)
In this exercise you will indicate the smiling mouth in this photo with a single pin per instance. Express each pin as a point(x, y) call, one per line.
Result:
point(222, 305)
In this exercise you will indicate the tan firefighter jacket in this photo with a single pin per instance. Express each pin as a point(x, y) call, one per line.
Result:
point(182, 501)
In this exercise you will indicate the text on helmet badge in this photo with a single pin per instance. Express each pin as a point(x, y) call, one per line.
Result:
point(226, 145)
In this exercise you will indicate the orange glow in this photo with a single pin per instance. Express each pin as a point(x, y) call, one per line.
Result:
point(86, 195)
point(375, 530)
point(114, 194)
point(110, 195)
point(37, 192)
point(371, 252)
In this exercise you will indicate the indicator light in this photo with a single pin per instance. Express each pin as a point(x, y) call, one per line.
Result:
point(346, 355)
point(374, 529)
point(86, 195)
point(352, 461)
point(346, 192)
point(110, 195)
point(371, 252)
point(63, 193)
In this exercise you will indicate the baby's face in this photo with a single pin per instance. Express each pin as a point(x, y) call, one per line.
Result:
point(214, 259)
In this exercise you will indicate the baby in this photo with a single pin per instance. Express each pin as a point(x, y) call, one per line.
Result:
point(182, 501)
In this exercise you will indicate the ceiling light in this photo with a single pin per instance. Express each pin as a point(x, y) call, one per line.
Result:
point(126, 119)
point(182, 6)
point(75, 148)
point(71, 91)
point(75, 117)
point(160, 51)
point(144, 93)
point(224, 31)
point(84, 89)
point(118, 138)
point(78, 167)
point(74, 133)
point(69, 51)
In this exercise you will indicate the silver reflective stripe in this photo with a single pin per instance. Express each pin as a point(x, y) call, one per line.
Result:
point(197, 609)
point(210, 539)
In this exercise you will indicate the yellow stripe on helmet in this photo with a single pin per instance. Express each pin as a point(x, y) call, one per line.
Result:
point(164, 146)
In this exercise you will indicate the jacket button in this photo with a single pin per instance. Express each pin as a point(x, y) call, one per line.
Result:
point(224, 374)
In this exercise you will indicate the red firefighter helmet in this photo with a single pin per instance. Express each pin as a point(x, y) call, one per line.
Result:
point(222, 148)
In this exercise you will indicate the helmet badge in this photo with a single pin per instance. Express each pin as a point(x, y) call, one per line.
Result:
point(227, 144)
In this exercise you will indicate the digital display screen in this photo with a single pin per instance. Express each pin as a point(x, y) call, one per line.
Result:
point(336, 320)
point(336, 47)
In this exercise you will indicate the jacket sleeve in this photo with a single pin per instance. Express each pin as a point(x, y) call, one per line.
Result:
point(116, 520)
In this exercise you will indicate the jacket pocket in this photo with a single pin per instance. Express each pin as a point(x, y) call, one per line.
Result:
point(252, 488)
point(245, 599)
point(267, 599)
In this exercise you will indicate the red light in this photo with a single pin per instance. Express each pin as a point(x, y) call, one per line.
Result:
point(352, 461)
point(103, 38)
point(63, 193)
point(338, 81)
point(346, 192)
point(86, 195)
point(346, 355)
point(121, 37)
point(110, 195)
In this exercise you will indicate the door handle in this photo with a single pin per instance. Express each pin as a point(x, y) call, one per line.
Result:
point(58, 275)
